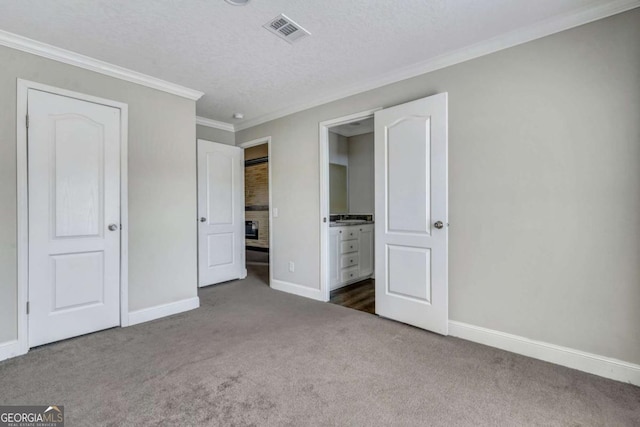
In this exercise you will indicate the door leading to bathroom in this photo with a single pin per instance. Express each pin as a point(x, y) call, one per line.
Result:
point(351, 214)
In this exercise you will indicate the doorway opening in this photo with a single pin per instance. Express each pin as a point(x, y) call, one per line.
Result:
point(257, 196)
point(351, 209)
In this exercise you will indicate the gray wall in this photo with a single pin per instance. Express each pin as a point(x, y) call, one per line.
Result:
point(162, 182)
point(215, 135)
point(544, 186)
point(338, 149)
point(361, 174)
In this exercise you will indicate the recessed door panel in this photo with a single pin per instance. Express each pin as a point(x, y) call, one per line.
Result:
point(220, 187)
point(78, 176)
point(408, 171)
point(408, 267)
point(221, 249)
point(78, 280)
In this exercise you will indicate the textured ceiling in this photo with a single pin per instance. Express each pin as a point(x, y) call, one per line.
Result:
point(223, 50)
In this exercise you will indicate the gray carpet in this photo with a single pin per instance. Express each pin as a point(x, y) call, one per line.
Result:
point(254, 356)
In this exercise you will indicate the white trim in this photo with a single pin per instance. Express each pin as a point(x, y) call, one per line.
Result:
point(22, 89)
point(10, 349)
point(203, 121)
point(571, 358)
point(44, 50)
point(253, 143)
point(325, 286)
point(293, 288)
point(258, 141)
point(163, 310)
point(124, 215)
point(22, 240)
point(505, 41)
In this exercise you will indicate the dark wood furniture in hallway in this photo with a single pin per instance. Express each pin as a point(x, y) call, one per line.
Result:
point(359, 296)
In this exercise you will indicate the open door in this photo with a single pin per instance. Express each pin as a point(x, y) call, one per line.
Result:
point(221, 213)
point(411, 213)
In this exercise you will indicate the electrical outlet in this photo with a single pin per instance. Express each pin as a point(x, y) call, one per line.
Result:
point(275, 212)
point(292, 267)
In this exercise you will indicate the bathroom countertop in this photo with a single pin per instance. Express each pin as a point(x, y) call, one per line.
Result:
point(349, 223)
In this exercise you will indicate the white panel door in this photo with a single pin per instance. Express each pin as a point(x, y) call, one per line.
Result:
point(74, 217)
point(411, 213)
point(221, 244)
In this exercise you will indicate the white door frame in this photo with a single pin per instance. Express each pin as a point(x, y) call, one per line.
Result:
point(253, 143)
point(325, 288)
point(23, 87)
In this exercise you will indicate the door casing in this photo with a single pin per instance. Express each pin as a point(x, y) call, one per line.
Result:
point(23, 87)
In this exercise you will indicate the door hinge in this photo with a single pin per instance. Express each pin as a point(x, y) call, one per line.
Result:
point(27, 121)
point(28, 307)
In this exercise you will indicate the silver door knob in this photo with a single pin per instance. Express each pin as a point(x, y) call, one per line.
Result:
point(438, 225)
point(203, 219)
point(112, 227)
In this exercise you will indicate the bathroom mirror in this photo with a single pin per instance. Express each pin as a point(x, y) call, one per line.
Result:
point(338, 197)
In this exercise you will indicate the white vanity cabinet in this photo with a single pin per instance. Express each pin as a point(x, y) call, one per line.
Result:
point(350, 253)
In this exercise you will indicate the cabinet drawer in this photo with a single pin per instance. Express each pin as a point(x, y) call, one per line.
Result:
point(349, 274)
point(349, 260)
point(348, 246)
point(349, 233)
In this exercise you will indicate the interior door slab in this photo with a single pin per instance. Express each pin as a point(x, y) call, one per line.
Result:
point(74, 198)
point(411, 213)
point(221, 246)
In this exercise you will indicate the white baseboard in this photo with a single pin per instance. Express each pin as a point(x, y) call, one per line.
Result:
point(571, 358)
point(296, 289)
point(164, 310)
point(10, 349)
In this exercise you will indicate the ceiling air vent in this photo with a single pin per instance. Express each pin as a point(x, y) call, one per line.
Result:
point(286, 29)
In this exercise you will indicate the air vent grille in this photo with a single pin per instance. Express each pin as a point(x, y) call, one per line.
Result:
point(286, 29)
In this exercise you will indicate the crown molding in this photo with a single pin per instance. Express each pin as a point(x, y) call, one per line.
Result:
point(514, 38)
point(44, 50)
point(203, 121)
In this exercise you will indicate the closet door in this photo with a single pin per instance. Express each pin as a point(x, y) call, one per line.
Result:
point(74, 217)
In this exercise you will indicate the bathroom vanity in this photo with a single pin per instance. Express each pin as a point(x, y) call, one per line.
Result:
point(351, 252)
